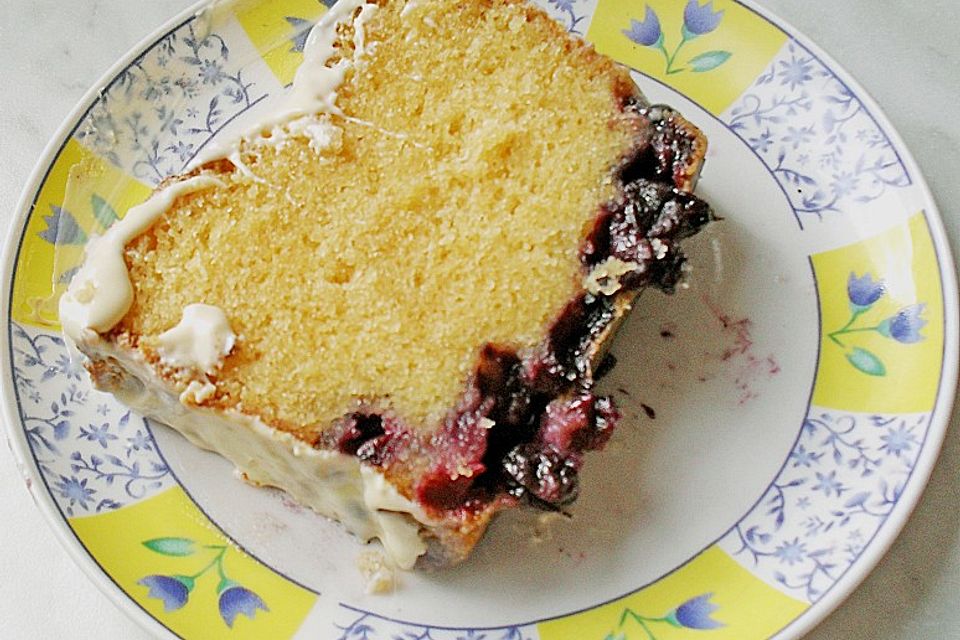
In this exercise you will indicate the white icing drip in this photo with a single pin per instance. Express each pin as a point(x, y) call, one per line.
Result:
point(201, 340)
point(315, 85)
point(100, 294)
point(236, 158)
point(322, 134)
point(332, 483)
point(329, 482)
point(386, 132)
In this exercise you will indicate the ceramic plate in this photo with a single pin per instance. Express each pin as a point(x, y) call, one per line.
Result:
point(783, 411)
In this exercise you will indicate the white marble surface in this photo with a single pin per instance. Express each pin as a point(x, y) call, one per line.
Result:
point(906, 54)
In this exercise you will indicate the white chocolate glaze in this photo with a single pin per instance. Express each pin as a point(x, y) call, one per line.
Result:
point(201, 340)
point(100, 294)
point(331, 483)
point(315, 84)
point(314, 88)
point(322, 134)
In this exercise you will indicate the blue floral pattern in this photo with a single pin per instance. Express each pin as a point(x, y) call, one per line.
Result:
point(816, 137)
point(151, 121)
point(361, 625)
point(839, 484)
point(171, 590)
point(573, 14)
point(93, 452)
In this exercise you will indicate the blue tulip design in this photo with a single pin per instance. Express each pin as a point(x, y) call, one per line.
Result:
point(172, 590)
point(864, 291)
point(698, 21)
point(235, 600)
point(695, 613)
point(905, 326)
point(646, 33)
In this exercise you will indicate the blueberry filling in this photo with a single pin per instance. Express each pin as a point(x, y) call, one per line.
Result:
point(526, 419)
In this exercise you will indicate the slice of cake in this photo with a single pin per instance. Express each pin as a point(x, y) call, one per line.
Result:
point(391, 298)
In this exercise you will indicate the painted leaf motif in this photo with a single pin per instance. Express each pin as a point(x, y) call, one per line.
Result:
point(709, 61)
point(61, 430)
point(103, 212)
point(857, 500)
point(301, 29)
point(62, 228)
point(866, 362)
point(171, 546)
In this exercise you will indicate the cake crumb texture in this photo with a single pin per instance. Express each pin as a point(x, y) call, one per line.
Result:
point(378, 576)
point(480, 141)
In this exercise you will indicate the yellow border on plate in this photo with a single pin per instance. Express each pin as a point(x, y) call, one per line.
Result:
point(862, 369)
point(67, 199)
point(121, 542)
point(743, 607)
point(270, 31)
point(715, 88)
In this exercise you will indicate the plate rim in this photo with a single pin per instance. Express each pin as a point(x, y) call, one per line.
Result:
point(12, 243)
point(942, 411)
point(947, 392)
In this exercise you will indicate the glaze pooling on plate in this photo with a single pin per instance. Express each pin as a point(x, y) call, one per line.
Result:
point(869, 398)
